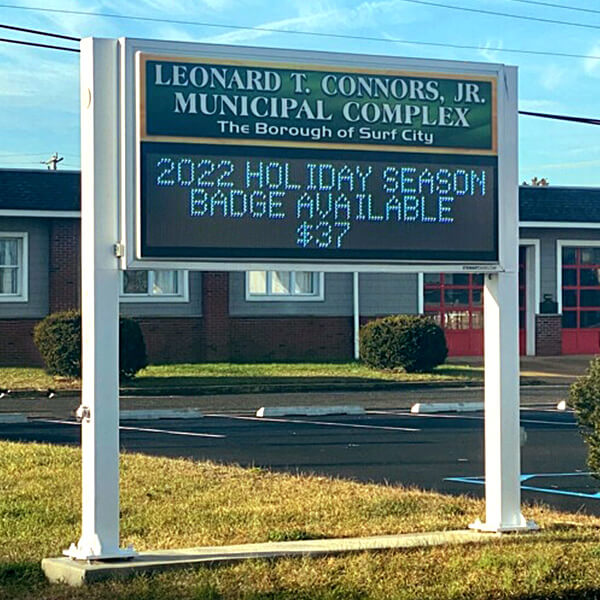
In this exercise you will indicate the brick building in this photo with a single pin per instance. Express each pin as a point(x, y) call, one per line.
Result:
point(260, 315)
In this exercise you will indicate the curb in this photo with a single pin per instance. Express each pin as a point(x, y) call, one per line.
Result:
point(159, 413)
point(435, 407)
point(77, 573)
point(280, 388)
point(309, 411)
point(6, 418)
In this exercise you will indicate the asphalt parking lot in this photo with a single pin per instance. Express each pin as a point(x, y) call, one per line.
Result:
point(442, 451)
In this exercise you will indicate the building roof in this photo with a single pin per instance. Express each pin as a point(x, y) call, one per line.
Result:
point(36, 190)
point(29, 189)
point(559, 204)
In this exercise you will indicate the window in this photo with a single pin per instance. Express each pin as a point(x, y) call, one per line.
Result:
point(284, 285)
point(453, 300)
point(580, 287)
point(154, 286)
point(13, 267)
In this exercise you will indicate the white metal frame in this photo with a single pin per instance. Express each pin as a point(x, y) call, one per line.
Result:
point(100, 281)
point(559, 225)
point(532, 286)
point(130, 136)
point(23, 266)
point(501, 339)
point(44, 214)
point(356, 314)
point(318, 296)
point(108, 188)
point(183, 295)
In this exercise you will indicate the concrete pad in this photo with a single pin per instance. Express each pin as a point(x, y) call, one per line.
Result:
point(435, 407)
point(309, 411)
point(77, 573)
point(159, 413)
point(6, 418)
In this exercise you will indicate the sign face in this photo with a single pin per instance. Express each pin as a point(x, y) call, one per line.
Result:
point(247, 161)
point(227, 201)
point(224, 102)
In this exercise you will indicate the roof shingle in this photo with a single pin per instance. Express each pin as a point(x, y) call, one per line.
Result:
point(22, 189)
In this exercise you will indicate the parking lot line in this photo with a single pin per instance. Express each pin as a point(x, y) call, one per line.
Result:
point(465, 417)
point(546, 409)
point(531, 488)
point(322, 423)
point(145, 429)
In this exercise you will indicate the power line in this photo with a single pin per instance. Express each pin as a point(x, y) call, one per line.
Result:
point(23, 43)
point(503, 14)
point(585, 120)
point(311, 33)
point(22, 154)
point(552, 5)
point(39, 32)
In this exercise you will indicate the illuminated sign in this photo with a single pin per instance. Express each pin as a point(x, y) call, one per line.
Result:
point(247, 161)
point(231, 202)
point(208, 101)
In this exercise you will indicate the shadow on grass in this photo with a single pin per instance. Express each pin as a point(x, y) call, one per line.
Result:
point(191, 381)
point(567, 594)
point(459, 372)
point(441, 374)
point(20, 573)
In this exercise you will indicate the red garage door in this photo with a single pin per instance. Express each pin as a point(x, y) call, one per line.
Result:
point(455, 301)
point(580, 300)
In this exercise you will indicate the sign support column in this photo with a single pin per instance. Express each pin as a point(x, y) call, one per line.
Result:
point(99, 410)
point(502, 434)
point(501, 338)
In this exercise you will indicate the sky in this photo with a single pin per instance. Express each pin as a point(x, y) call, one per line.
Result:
point(39, 88)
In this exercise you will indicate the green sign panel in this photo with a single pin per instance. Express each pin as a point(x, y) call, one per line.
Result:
point(211, 101)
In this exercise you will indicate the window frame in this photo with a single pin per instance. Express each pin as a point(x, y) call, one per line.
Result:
point(561, 244)
point(22, 266)
point(318, 296)
point(181, 296)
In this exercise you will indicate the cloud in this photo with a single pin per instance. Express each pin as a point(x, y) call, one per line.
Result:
point(539, 105)
point(192, 8)
point(563, 165)
point(32, 78)
point(552, 76)
point(321, 17)
point(490, 50)
point(591, 64)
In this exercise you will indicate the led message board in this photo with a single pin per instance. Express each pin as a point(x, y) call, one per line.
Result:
point(220, 201)
point(244, 161)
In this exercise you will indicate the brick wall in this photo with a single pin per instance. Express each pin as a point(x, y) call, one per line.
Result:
point(215, 309)
point(173, 340)
point(16, 343)
point(64, 275)
point(548, 335)
point(291, 338)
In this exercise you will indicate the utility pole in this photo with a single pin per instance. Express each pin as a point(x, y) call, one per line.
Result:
point(52, 162)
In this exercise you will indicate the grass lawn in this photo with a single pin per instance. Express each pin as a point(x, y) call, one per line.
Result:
point(189, 375)
point(170, 503)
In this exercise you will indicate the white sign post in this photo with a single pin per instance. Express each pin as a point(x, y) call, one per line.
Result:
point(110, 183)
point(501, 342)
point(99, 411)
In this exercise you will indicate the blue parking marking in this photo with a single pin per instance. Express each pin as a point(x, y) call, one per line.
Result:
point(530, 488)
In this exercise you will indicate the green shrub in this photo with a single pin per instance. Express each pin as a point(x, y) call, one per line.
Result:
point(58, 339)
point(132, 348)
point(584, 399)
point(413, 342)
